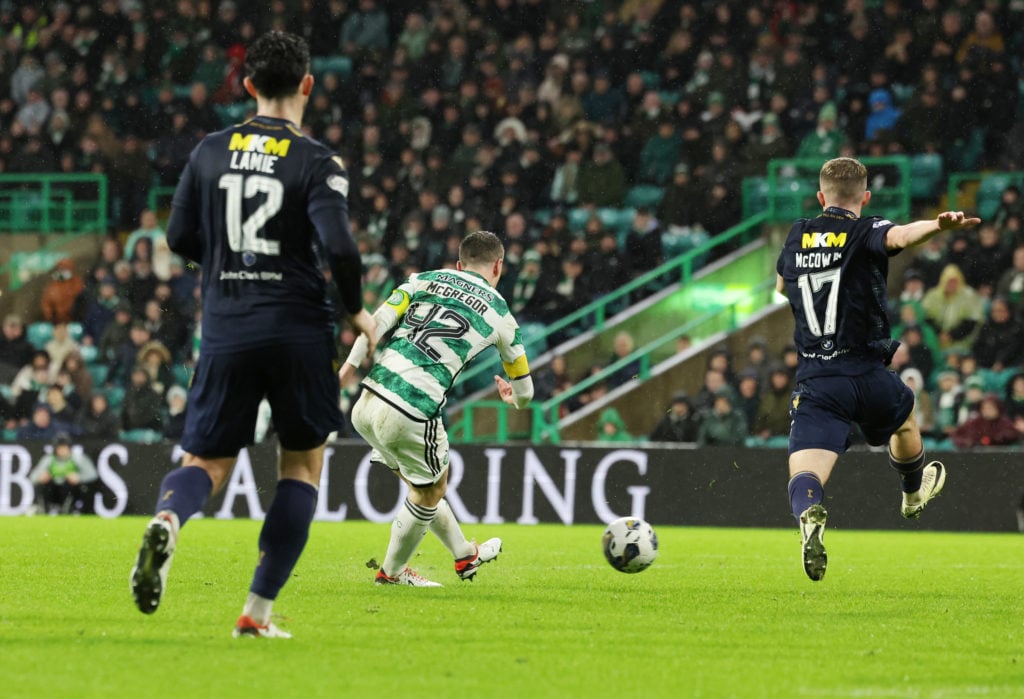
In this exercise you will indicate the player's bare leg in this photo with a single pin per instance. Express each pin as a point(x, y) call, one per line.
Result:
point(407, 531)
point(182, 493)
point(918, 481)
point(809, 470)
point(282, 539)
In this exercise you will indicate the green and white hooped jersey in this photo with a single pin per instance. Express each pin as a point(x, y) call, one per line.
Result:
point(445, 319)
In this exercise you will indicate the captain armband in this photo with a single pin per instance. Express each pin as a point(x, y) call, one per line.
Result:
point(518, 368)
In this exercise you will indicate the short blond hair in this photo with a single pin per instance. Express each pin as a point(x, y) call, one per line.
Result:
point(843, 180)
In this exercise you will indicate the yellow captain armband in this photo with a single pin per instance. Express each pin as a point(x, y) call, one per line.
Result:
point(517, 369)
point(398, 301)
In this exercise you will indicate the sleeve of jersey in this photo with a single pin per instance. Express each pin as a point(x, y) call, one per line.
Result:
point(876, 237)
point(328, 210)
point(387, 317)
point(183, 225)
point(517, 367)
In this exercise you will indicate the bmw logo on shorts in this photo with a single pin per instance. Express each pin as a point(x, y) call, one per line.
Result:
point(249, 258)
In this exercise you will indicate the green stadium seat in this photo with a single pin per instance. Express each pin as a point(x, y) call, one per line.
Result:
point(90, 353)
point(651, 79)
point(339, 65)
point(38, 334)
point(617, 220)
point(182, 374)
point(645, 195)
point(75, 331)
point(230, 114)
point(140, 436)
point(115, 396)
point(990, 192)
point(755, 195)
point(98, 372)
point(534, 338)
point(925, 175)
point(578, 218)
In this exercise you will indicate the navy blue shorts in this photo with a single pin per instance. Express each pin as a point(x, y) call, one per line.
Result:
point(823, 407)
point(299, 381)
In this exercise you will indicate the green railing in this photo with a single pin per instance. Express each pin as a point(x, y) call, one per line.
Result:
point(544, 421)
point(989, 193)
point(53, 203)
point(788, 191)
point(595, 314)
point(160, 197)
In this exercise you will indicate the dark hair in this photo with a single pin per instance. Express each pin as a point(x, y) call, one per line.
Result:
point(480, 247)
point(276, 63)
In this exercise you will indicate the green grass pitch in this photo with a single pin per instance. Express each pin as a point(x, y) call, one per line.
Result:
point(721, 613)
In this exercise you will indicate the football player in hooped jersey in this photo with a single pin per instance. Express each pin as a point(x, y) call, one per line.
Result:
point(259, 206)
point(833, 270)
point(441, 320)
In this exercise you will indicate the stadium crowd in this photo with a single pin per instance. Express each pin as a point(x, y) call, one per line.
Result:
point(516, 115)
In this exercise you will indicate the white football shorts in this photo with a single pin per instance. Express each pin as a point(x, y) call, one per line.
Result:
point(416, 449)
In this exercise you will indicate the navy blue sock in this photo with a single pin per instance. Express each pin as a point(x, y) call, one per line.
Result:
point(804, 490)
point(284, 535)
point(184, 491)
point(910, 472)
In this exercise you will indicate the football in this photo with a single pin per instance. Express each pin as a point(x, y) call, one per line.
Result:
point(630, 544)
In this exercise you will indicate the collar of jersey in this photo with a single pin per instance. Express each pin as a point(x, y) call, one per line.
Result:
point(474, 274)
point(264, 117)
point(840, 212)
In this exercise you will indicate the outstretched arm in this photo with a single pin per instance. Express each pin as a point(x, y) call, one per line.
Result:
point(910, 234)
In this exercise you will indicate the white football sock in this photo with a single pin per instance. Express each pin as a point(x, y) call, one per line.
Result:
point(446, 528)
point(258, 608)
point(407, 531)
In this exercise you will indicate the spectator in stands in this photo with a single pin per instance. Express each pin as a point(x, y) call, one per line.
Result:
point(174, 423)
point(149, 228)
point(925, 411)
point(770, 144)
point(607, 267)
point(757, 359)
point(954, 309)
point(986, 37)
point(98, 421)
point(60, 346)
point(748, 390)
point(622, 346)
point(126, 354)
point(988, 427)
point(142, 408)
point(365, 30)
point(60, 301)
point(722, 424)
point(62, 415)
point(64, 479)
point(75, 379)
point(714, 382)
point(643, 243)
point(1015, 401)
point(999, 344)
point(1011, 283)
point(986, 260)
point(15, 349)
point(772, 418)
point(602, 181)
point(99, 311)
point(612, 428)
point(552, 379)
point(29, 386)
point(884, 116)
point(1010, 206)
point(824, 142)
point(155, 360)
point(660, 153)
point(572, 292)
point(681, 206)
point(39, 428)
point(680, 423)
